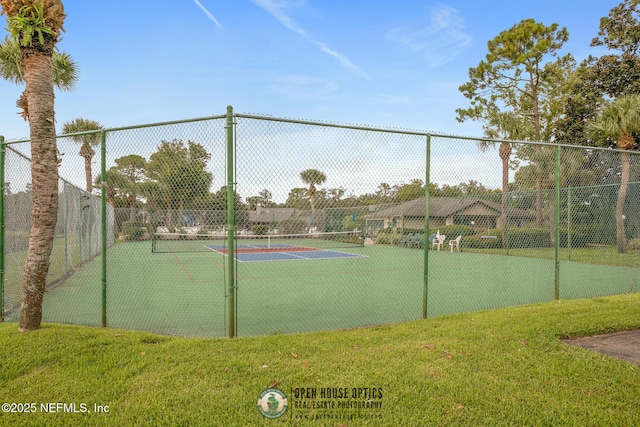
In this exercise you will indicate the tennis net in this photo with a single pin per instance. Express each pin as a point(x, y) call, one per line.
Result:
point(177, 242)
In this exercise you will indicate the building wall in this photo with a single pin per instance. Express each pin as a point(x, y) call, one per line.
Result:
point(414, 223)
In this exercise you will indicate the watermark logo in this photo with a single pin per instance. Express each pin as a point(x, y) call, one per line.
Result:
point(272, 403)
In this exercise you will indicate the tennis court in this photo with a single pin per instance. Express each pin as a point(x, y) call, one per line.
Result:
point(281, 252)
point(183, 292)
point(181, 283)
point(260, 248)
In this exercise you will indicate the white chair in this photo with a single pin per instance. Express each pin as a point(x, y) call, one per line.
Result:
point(438, 241)
point(455, 242)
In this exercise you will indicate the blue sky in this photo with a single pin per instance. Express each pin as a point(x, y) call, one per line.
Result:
point(376, 62)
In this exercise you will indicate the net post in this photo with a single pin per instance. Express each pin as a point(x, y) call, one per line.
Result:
point(2, 178)
point(231, 228)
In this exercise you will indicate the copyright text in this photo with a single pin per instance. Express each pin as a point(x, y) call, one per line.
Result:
point(54, 407)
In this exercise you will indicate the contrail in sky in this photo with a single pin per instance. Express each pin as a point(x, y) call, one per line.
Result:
point(209, 15)
point(277, 10)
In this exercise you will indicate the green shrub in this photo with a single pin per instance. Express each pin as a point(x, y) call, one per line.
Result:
point(406, 231)
point(292, 226)
point(453, 231)
point(529, 238)
point(579, 238)
point(350, 222)
point(392, 237)
point(634, 244)
point(603, 233)
point(133, 229)
point(260, 229)
point(477, 242)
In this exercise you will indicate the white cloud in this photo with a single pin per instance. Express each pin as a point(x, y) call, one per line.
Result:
point(340, 57)
point(440, 41)
point(209, 14)
point(277, 8)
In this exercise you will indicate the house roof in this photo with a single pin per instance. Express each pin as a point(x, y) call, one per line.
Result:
point(443, 207)
point(274, 215)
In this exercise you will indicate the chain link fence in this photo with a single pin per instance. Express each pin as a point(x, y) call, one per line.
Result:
point(77, 237)
point(332, 226)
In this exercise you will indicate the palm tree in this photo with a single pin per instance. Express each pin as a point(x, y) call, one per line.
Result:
point(312, 177)
point(505, 126)
point(619, 121)
point(35, 25)
point(88, 141)
point(65, 70)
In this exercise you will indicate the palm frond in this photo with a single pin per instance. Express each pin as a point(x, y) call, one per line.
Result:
point(65, 68)
point(65, 71)
point(619, 118)
point(11, 61)
point(86, 130)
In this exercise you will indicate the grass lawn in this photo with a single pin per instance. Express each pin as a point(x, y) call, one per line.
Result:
point(501, 367)
point(605, 255)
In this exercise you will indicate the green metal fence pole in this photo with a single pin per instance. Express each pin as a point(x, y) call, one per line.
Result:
point(2, 160)
point(568, 223)
point(231, 228)
point(65, 213)
point(557, 202)
point(505, 235)
point(425, 297)
point(103, 224)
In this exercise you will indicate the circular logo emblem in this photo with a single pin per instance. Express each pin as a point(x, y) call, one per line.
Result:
point(272, 403)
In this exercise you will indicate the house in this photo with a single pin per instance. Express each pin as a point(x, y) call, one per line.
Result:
point(271, 217)
point(476, 212)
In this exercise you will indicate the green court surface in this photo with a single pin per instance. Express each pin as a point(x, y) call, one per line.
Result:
point(183, 293)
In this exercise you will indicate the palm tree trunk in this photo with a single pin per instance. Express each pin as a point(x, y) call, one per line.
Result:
point(44, 178)
point(312, 198)
point(538, 206)
point(87, 170)
point(87, 152)
point(622, 197)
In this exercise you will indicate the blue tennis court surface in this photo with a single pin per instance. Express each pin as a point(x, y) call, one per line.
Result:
point(282, 252)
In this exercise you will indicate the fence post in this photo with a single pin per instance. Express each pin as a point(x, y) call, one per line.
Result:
point(569, 223)
point(103, 223)
point(231, 228)
point(65, 214)
point(505, 234)
point(425, 297)
point(2, 159)
point(557, 220)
